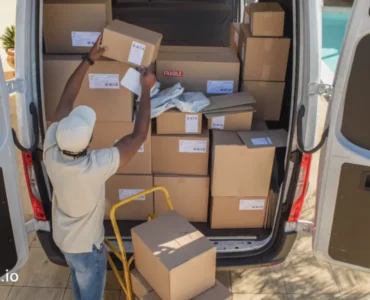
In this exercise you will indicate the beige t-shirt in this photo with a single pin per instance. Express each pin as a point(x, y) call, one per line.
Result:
point(79, 194)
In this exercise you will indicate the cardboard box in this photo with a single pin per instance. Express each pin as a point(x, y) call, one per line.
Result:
point(177, 260)
point(196, 49)
point(263, 58)
point(106, 134)
point(218, 292)
point(189, 195)
point(213, 71)
point(242, 161)
point(269, 98)
point(140, 286)
point(241, 120)
point(112, 104)
point(120, 187)
point(238, 212)
point(233, 102)
point(131, 44)
point(234, 36)
point(73, 26)
point(180, 154)
point(266, 19)
point(174, 121)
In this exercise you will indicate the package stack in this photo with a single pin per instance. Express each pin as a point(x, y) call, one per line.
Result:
point(174, 261)
point(264, 54)
point(72, 27)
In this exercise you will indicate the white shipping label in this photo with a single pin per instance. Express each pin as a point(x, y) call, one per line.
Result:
point(261, 141)
point(104, 81)
point(141, 149)
point(236, 38)
point(191, 123)
point(218, 122)
point(220, 86)
point(84, 38)
point(125, 193)
point(193, 146)
point(257, 204)
point(136, 53)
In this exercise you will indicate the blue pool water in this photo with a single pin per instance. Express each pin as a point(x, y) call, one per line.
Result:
point(334, 28)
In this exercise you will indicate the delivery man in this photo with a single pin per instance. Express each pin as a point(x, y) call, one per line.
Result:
point(78, 177)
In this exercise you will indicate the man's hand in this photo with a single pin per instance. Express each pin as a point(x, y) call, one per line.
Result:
point(97, 51)
point(147, 79)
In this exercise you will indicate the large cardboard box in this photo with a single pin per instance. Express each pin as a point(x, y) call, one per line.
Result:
point(120, 187)
point(72, 26)
point(211, 71)
point(242, 161)
point(100, 89)
point(234, 36)
point(265, 19)
point(180, 154)
point(237, 120)
point(131, 44)
point(269, 98)
point(140, 286)
point(106, 134)
point(189, 195)
point(217, 292)
point(174, 121)
point(238, 212)
point(177, 260)
point(263, 58)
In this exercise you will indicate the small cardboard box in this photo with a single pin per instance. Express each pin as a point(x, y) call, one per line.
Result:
point(120, 187)
point(237, 120)
point(174, 121)
point(238, 212)
point(201, 69)
point(100, 89)
point(106, 134)
point(189, 195)
point(266, 19)
point(234, 36)
point(218, 292)
point(131, 44)
point(242, 161)
point(269, 98)
point(263, 58)
point(180, 154)
point(72, 26)
point(177, 260)
point(140, 286)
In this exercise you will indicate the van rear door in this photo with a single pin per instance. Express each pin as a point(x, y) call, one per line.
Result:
point(13, 238)
point(343, 208)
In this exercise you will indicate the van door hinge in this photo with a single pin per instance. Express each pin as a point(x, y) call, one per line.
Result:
point(320, 89)
point(300, 226)
point(36, 225)
point(16, 86)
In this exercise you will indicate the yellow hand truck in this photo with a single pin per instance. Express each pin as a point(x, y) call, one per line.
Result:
point(125, 282)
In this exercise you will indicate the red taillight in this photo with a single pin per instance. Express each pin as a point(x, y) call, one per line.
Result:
point(29, 174)
point(302, 185)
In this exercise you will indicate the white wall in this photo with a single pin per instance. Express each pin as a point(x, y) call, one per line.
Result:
point(7, 14)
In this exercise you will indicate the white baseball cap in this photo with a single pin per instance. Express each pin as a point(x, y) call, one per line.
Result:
point(74, 131)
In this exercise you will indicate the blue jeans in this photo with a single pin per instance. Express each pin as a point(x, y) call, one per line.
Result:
point(88, 271)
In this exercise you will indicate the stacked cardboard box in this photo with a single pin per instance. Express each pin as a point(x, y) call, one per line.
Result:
point(264, 54)
point(101, 88)
point(173, 260)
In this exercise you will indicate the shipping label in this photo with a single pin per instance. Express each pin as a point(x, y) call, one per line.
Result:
point(125, 193)
point(191, 123)
point(253, 204)
point(104, 81)
point(84, 38)
point(246, 18)
point(193, 146)
point(263, 141)
point(173, 73)
point(136, 54)
point(141, 149)
point(218, 122)
point(220, 86)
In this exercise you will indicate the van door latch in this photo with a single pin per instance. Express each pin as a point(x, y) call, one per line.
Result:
point(300, 226)
point(321, 89)
point(16, 86)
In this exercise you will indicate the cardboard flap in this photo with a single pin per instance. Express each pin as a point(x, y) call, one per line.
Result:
point(230, 100)
point(264, 138)
point(228, 111)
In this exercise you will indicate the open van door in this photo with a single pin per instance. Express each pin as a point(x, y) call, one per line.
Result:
point(342, 233)
point(13, 238)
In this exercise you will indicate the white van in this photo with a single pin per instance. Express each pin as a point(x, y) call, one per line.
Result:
point(343, 199)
